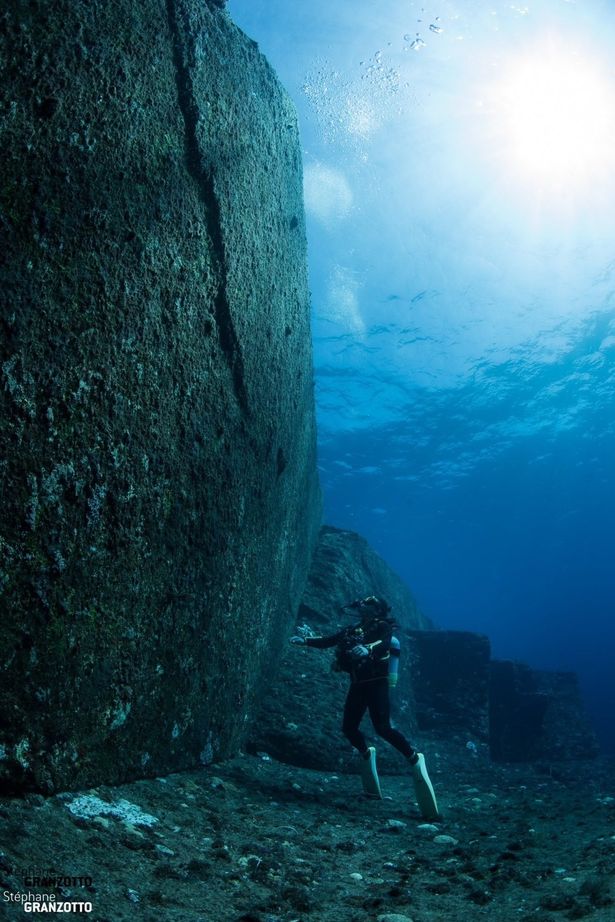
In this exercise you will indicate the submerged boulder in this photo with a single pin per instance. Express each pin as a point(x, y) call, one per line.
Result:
point(160, 496)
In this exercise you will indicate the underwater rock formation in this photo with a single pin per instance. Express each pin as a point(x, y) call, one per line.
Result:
point(300, 719)
point(451, 698)
point(345, 567)
point(450, 680)
point(535, 714)
point(160, 497)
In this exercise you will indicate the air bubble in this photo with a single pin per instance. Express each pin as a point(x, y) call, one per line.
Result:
point(434, 28)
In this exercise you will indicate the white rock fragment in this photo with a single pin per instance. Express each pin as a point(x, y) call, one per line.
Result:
point(356, 876)
point(86, 806)
point(427, 827)
point(395, 825)
point(163, 850)
point(445, 840)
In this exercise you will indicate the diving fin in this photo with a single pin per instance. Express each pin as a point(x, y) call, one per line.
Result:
point(423, 788)
point(369, 774)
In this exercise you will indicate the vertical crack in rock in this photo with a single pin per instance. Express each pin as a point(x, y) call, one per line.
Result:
point(229, 341)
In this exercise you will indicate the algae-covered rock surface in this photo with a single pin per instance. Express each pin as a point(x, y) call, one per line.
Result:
point(254, 840)
point(159, 490)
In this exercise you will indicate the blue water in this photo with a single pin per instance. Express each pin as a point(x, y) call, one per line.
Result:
point(464, 308)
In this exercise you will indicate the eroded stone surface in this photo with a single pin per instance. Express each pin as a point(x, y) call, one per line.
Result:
point(160, 500)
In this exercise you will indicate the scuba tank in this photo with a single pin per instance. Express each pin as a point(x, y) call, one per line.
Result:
point(394, 661)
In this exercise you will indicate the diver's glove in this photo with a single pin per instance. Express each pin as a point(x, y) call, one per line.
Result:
point(297, 639)
point(359, 651)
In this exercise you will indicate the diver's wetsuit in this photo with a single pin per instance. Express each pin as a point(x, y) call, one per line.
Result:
point(369, 683)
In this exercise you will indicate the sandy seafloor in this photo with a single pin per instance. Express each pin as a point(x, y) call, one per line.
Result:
point(255, 840)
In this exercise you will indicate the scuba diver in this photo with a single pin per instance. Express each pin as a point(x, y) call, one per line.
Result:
point(366, 650)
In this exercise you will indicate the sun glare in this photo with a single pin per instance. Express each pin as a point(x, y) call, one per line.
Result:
point(558, 113)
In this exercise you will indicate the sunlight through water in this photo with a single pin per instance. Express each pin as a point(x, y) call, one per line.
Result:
point(557, 108)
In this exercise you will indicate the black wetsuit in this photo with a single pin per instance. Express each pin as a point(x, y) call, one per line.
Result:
point(369, 683)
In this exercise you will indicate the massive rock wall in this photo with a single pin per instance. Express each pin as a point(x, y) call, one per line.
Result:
point(160, 500)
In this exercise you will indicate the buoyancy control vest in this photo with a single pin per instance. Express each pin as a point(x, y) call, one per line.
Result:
point(347, 661)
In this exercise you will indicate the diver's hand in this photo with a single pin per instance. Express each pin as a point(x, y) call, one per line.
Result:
point(297, 639)
point(359, 651)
